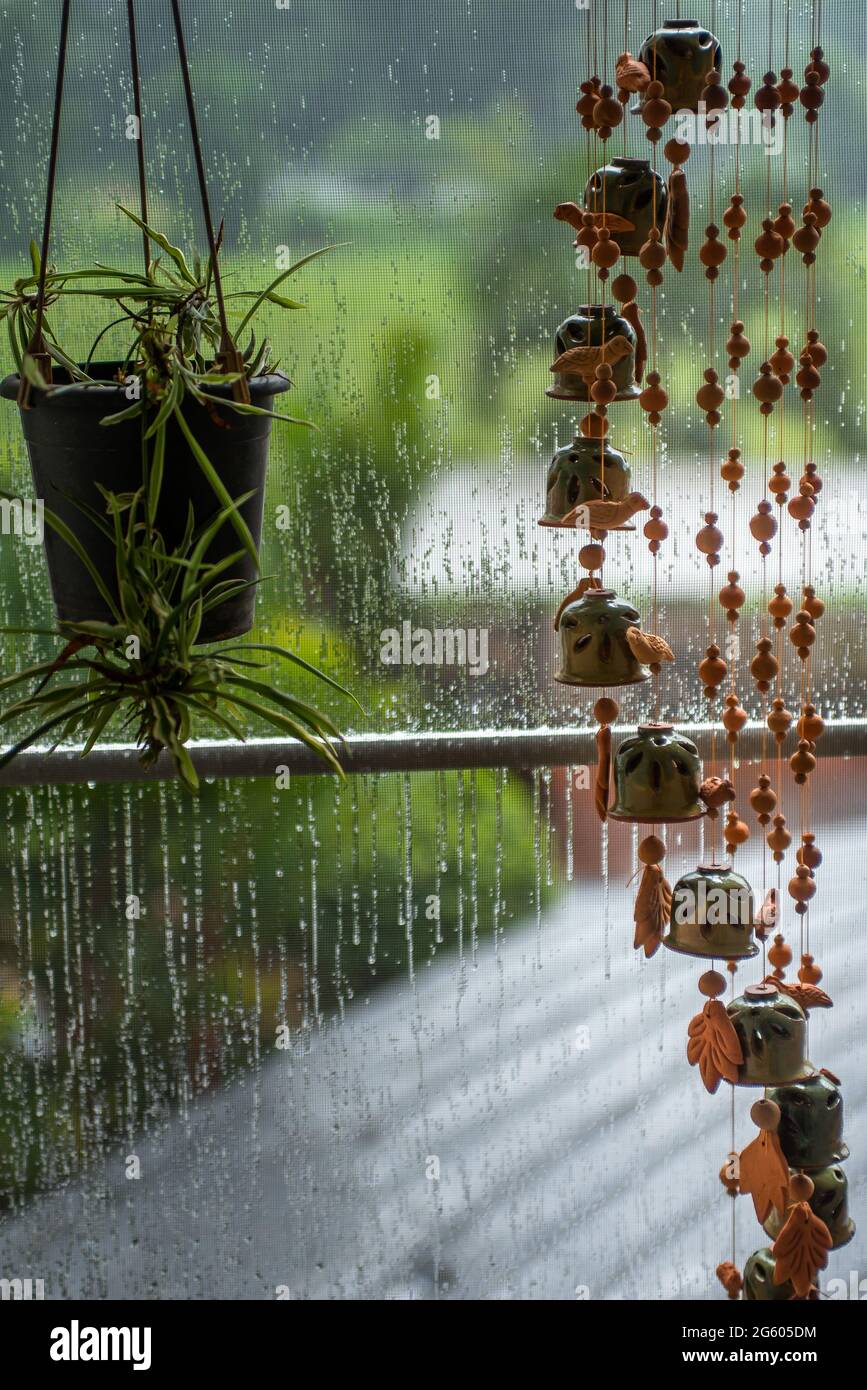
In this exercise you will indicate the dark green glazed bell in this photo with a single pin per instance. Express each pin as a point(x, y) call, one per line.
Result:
point(759, 1286)
point(830, 1202)
point(593, 642)
point(811, 1121)
point(593, 326)
point(772, 1030)
point(587, 470)
point(680, 55)
point(712, 914)
point(657, 774)
point(626, 187)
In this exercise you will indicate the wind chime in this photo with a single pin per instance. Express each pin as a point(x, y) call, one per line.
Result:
point(604, 357)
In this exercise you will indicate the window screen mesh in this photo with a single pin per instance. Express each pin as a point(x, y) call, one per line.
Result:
point(334, 992)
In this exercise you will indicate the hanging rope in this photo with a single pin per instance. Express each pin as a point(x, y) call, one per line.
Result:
point(229, 357)
point(36, 348)
point(136, 97)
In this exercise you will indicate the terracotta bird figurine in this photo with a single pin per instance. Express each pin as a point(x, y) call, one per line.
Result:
point(571, 213)
point(603, 516)
point(647, 648)
point(632, 75)
point(583, 361)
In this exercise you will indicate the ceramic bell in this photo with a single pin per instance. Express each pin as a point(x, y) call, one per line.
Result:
point(712, 914)
point(680, 55)
point(830, 1202)
point(811, 1122)
point(772, 1030)
point(657, 774)
point(597, 333)
point(593, 642)
point(587, 470)
point(625, 187)
point(759, 1286)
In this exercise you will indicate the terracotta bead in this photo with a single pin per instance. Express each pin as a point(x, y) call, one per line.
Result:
point(607, 113)
point(817, 350)
point(779, 839)
point(606, 710)
point(780, 954)
point(710, 396)
point(737, 346)
point(764, 665)
point(593, 426)
point(739, 85)
point(802, 506)
point(712, 670)
point(770, 244)
point(710, 538)
point(732, 596)
point(729, 1168)
point(763, 526)
point(802, 762)
point(655, 110)
point(734, 717)
point(811, 94)
point(820, 207)
point(765, 1114)
point(780, 483)
point(807, 238)
point(711, 984)
point(734, 217)
point(624, 288)
point(653, 398)
point(655, 530)
point(809, 973)
point(782, 361)
point(779, 719)
point(651, 850)
point(801, 1188)
point(715, 96)
point(780, 606)
point(735, 832)
point(652, 254)
point(802, 887)
point(811, 476)
point(732, 470)
point(712, 252)
point(767, 97)
point(592, 556)
point(606, 252)
point(677, 152)
point(603, 390)
point(808, 377)
point(767, 388)
point(818, 65)
point(802, 634)
point(763, 799)
point(809, 854)
point(812, 605)
point(788, 91)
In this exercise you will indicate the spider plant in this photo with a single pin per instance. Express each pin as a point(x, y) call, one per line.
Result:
point(142, 670)
point(170, 344)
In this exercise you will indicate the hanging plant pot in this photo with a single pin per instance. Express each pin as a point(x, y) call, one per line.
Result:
point(632, 190)
point(657, 773)
point(71, 453)
point(680, 54)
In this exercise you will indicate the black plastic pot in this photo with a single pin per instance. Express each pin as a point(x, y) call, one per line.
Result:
point(70, 452)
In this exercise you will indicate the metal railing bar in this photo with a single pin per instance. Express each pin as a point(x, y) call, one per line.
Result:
point(398, 752)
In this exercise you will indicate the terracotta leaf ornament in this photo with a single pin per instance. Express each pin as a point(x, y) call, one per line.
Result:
point(713, 1046)
point(801, 1248)
point(676, 231)
point(603, 771)
point(652, 909)
point(764, 1172)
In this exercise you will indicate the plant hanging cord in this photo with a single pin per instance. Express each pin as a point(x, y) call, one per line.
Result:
point(136, 97)
point(36, 349)
point(229, 356)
